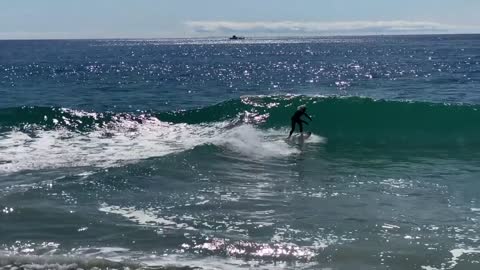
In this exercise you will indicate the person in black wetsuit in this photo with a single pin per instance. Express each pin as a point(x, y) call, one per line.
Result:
point(296, 119)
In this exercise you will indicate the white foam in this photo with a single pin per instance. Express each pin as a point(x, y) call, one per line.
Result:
point(219, 263)
point(316, 139)
point(100, 148)
point(62, 262)
point(122, 258)
point(251, 142)
point(126, 140)
point(390, 226)
point(145, 217)
point(456, 255)
point(429, 267)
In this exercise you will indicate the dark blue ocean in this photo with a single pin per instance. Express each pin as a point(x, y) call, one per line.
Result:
point(172, 153)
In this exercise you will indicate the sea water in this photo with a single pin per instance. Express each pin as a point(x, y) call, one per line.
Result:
point(172, 153)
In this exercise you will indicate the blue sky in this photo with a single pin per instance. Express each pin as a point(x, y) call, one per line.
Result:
point(197, 18)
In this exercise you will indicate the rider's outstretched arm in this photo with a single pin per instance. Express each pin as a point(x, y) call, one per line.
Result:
point(307, 116)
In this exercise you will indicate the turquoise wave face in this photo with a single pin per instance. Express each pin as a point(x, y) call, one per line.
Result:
point(343, 120)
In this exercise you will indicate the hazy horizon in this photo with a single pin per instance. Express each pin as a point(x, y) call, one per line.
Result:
point(239, 35)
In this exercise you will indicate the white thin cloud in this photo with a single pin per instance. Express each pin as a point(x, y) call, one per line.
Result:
point(295, 27)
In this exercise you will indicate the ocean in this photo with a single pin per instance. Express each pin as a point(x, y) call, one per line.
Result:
point(172, 153)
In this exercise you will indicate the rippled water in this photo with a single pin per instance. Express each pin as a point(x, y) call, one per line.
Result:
point(153, 74)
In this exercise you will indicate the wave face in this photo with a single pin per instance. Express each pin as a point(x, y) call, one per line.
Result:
point(352, 120)
point(380, 122)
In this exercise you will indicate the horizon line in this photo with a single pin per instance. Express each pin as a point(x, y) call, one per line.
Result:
point(246, 37)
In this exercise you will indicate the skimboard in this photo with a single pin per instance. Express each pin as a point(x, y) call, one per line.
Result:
point(299, 138)
point(306, 135)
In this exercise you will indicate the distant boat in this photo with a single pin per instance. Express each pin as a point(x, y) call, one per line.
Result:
point(236, 38)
